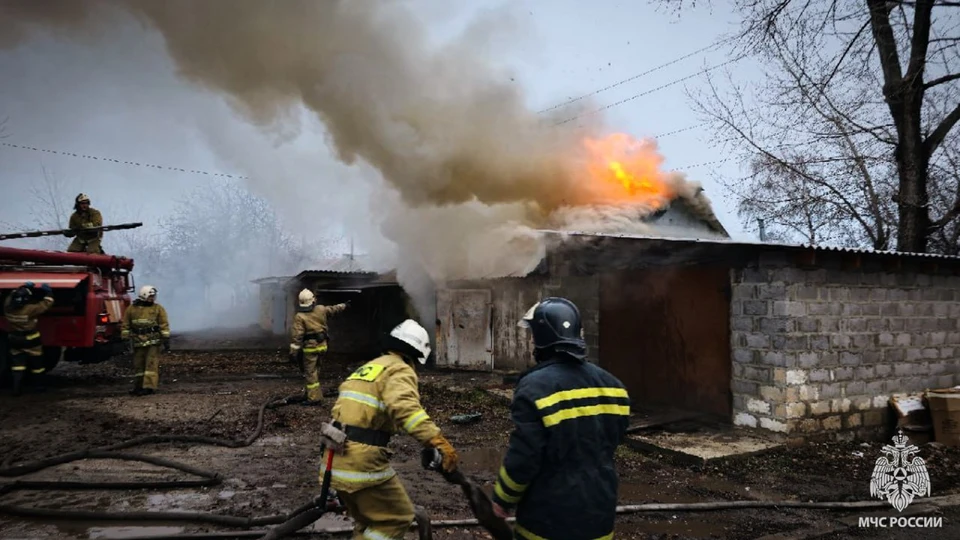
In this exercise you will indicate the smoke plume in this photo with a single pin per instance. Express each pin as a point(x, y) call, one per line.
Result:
point(472, 171)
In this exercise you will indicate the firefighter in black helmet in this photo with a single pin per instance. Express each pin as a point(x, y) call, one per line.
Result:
point(569, 417)
point(22, 310)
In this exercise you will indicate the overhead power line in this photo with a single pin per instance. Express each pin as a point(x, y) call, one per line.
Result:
point(703, 164)
point(652, 90)
point(713, 45)
point(123, 162)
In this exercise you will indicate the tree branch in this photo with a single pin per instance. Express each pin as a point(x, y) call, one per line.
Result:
point(920, 40)
point(887, 49)
point(940, 133)
point(941, 80)
point(846, 51)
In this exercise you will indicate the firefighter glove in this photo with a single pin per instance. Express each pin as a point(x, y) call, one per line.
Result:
point(332, 438)
point(166, 345)
point(448, 453)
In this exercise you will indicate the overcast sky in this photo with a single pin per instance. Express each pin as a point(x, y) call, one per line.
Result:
point(125, 102)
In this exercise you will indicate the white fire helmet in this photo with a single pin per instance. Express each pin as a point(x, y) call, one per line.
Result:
point(414, 335)
point(147, 293)
point(306, 298)
point(83, 197)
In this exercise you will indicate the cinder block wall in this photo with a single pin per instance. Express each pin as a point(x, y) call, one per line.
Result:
point(823, 350)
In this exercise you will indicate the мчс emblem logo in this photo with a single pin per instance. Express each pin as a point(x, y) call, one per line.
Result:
point(898, 478)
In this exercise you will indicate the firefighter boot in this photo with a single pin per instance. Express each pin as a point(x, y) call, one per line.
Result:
point(38, 382)
point(18, 382)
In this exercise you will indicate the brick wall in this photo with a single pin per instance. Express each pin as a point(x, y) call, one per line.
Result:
point(823, 350)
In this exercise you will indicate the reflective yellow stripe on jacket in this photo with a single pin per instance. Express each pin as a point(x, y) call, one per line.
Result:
point(507, 489)
point(589, 402)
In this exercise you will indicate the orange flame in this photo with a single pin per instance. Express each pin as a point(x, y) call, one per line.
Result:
point(626, 170)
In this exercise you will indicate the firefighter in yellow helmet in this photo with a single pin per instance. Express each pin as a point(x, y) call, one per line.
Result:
point(85, 217)
point(379, 399)
point(309, 337)
point(21, 309)
point(146, 324)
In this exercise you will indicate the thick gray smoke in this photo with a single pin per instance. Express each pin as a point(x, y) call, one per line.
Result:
point(463, 173)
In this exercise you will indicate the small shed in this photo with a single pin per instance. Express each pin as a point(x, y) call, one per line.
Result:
point(477, 319)
point(377, 302)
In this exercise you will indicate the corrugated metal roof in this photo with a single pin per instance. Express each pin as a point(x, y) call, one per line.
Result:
point(271, 279)
point(743, 243)
point(358, 264)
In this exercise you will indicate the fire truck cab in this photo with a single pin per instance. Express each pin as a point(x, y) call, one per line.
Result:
point(91, 294)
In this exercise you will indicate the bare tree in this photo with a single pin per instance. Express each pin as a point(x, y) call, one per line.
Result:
point(220, 237)
point(50, 207)
point(849, 134)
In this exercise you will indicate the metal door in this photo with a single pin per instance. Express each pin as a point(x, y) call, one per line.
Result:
point(465, 329)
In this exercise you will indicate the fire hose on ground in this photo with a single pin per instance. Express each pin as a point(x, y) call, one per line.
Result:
point(306, 514)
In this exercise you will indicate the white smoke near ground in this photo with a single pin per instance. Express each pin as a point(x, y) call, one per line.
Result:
point(441, 157)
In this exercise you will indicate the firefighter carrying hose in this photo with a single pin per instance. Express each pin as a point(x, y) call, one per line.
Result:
point(85, 217)
point(569, 417)
point(309, 338)
point(21, 309)
point(379, 399)
point(146, 324)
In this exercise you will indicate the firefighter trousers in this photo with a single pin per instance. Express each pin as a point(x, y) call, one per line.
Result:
point(23, 360)
point(381, 512)
point(311, 371)
point(146, 367)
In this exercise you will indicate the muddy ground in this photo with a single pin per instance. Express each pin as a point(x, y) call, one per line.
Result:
point(218, 394)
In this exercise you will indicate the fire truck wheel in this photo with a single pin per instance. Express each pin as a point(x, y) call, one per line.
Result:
point(51, 357)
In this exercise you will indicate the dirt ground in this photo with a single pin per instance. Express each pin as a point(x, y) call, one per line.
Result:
point(218, 394)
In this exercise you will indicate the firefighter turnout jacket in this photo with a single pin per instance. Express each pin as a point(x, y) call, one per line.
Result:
point(23, 336)
point(86, 241)
point(559, 473)
point(145, 323)
point(310, 328)
point(377, 400)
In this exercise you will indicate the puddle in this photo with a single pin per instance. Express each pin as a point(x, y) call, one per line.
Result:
point(482, 459)
point(277, 440)
point(680, 527)
point(706, 446)
point(118, 533)
point(176, 501)
point(331, 522)
point(655, 492)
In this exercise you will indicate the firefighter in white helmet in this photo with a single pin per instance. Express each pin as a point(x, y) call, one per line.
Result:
point(379, 399)
point(145, 323)
point(85, 217)
point(309, 339)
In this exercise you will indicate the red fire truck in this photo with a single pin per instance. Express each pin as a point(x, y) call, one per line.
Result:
point(91, 293)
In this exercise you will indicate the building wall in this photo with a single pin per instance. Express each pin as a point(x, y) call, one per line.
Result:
point(823, 350)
